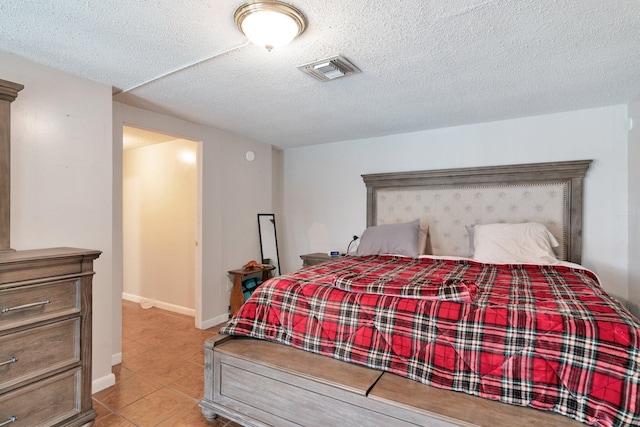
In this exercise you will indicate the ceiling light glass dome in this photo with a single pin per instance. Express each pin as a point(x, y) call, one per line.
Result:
point(270, 24)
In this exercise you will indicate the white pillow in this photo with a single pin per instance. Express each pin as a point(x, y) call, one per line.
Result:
point(525, 243)
point(397, 239)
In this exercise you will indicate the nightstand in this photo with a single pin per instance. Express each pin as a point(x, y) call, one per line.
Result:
point(316, 258)
point(237, 297)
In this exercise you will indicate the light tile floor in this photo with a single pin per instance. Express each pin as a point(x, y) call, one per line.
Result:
point(161, 376)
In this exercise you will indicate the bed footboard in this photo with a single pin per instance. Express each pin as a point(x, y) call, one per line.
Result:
point(259, 383)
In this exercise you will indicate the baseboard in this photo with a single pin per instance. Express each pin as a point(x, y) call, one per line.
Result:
point(160, 304)
point(102, 383)
point(116, 359)
point(133, 298)
point(206, 324)
point(210, 323)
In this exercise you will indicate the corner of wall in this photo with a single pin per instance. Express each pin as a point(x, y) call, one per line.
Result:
point(210, 323)
point(633, 156)
point(277, 203)
point(102, 383)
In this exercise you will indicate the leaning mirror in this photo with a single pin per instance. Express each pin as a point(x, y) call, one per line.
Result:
point(269, 241)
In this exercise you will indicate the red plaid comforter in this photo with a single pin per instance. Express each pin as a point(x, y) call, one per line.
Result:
point(547, 337)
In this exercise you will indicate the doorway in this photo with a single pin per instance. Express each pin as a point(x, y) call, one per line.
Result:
point(159, 217)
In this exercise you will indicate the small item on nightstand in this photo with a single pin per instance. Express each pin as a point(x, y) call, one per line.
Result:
point(351, 242)
point(334, 253)
point(252, 264)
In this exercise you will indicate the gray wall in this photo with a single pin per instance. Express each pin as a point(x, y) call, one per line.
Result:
point(634, 207)
point(325, 197)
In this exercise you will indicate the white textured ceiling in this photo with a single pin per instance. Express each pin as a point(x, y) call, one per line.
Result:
point(425, 64)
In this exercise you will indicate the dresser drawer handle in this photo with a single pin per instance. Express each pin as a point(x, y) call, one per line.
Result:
point(11, 419)
point(7, 362)
point(20, 307)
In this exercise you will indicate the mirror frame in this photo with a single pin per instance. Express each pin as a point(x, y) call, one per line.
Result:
point(263, 235)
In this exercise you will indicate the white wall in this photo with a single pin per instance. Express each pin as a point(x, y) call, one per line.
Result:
point(233, 192)
point(159, 224)
point(61, 178)
point(325, 197)
point(277, 200)
point(634, 206)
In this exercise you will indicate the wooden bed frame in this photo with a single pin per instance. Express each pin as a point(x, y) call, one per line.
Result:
point(260, 383)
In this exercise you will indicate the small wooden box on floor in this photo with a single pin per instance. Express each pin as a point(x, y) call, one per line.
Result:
point(45, 337)
point(260, 383)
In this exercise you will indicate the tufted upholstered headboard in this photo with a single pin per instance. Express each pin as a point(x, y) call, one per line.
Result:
point(450, 199)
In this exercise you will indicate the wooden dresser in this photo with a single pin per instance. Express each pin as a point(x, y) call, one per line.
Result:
point(45, 337)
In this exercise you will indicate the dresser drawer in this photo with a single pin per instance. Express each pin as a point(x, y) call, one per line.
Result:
point(28, 304)
point(33, 352)
point(44, 403)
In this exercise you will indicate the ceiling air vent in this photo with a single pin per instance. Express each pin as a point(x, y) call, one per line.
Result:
point(329, 68)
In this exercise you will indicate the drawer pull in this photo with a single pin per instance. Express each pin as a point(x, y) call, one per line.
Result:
point(7, 362)
point(11, 419)
point(20, 307)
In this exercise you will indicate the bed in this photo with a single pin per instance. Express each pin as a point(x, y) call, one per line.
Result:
point(441, 339)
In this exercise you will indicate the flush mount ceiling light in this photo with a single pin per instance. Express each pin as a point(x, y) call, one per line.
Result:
point(269, 24)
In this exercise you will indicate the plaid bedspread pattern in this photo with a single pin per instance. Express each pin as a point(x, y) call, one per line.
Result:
point(546, 337)
point(418, 285)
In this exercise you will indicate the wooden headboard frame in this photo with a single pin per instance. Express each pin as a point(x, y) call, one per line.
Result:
point(569, 174)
